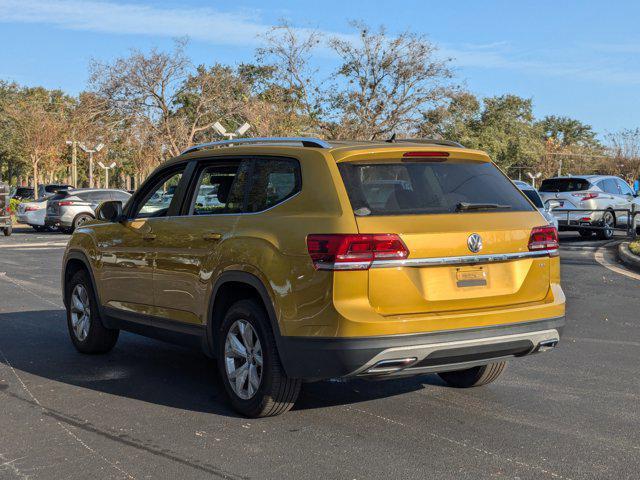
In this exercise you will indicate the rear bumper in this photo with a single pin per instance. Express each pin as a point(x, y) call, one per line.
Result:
point(312, 358)
point(54, 221)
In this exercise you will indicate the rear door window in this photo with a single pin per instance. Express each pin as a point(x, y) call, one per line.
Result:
point(220, 188)
point(564, 185)
point(272, 182)
point(428, 187)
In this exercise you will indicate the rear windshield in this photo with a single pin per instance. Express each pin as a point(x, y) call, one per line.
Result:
point(534, 197)
point(428, 187)
point(564, 185)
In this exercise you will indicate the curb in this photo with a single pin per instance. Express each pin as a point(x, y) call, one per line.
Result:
point(628, 258)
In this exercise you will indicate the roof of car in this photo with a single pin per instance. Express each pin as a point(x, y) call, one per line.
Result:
point(339, 149)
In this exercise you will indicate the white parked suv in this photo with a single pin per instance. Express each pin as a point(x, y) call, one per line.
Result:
point(589, 192)
point(71, 209)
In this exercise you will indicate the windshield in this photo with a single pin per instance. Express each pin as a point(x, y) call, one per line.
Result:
point(564, 185)
point(429, 187)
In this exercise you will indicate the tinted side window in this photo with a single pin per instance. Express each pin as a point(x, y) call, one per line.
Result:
point(272, 182)
point(220, 189)
point(158, 198)
point(96, 197)
point(609, 185)
point(624, 188)
point(120, 196)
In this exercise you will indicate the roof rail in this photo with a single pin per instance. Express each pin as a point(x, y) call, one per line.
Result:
point(432, 141)
point(305, 141)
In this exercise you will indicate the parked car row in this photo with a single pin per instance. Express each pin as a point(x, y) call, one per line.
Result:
point(601, 203)
point(66, 208)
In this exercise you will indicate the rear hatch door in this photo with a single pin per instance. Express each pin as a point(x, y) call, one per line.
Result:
point(435, 207)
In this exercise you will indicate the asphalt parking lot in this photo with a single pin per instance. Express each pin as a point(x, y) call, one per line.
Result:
point(152, 410)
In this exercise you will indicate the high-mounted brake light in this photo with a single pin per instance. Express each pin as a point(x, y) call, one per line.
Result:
point(353, 252)
point(425, 154)
point(543, 238)
point(585, 196)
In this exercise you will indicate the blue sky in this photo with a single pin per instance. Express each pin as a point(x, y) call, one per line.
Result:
point(575, 58)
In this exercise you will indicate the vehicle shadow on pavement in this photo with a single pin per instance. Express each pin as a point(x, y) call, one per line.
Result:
point(37, 342)
point(346, 392)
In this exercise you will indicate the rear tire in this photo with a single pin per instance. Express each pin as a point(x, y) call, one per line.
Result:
point(475, 376)
point(608, 222)
point(275, 393)
point(8, 231)
point(86, 330)
point(80, 220)
point(584, 233)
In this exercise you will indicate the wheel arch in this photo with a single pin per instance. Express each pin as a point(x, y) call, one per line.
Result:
point(75, 261)
point(230, 287)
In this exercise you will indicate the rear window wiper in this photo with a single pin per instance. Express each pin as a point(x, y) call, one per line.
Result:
point(465, 206)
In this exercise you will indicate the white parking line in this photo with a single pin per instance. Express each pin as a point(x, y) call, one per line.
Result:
point(602, 260)
point(27, 245)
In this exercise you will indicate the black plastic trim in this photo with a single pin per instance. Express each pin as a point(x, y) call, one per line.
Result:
point(312, 358)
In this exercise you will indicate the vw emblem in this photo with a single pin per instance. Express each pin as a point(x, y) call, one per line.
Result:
point(474, 242)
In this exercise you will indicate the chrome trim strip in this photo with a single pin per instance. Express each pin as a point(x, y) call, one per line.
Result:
point(423, 351)
point(462, 260)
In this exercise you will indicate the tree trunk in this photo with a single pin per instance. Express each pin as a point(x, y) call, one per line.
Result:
point(35, 179)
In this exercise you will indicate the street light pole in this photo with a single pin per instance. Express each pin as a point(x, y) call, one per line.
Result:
point(91, 151)
point(106, 172)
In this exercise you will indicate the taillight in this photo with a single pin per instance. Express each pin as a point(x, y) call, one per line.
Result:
point(30, 208)
point(66, 203)
point(585, 196)
point(353, 252)
point(544, 238)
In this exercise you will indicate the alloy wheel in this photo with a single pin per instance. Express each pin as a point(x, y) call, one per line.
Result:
point(80, 312)
point(243, 359)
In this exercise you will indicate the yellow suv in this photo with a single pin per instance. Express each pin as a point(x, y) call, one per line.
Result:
point(296, 259)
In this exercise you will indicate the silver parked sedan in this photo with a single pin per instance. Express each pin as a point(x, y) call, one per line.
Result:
point(589, 192)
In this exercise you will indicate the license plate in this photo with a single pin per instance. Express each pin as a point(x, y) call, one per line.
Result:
point(471, 277)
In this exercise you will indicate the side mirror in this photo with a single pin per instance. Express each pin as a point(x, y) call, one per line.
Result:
point(551, 204)
point(110, 211)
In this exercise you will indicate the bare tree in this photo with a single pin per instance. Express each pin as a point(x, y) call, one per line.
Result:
point(146, 85)
point(294, 83)
point(624, 151)
point(389, 82)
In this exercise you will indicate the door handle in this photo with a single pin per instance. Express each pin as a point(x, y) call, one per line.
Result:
point(213, 237)
point(149, 236)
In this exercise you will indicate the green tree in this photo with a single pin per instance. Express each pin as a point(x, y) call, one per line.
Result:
point(386, 82)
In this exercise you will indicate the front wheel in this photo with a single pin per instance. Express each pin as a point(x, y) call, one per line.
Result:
point(475, 376)
point(249, 363)
point(87, 332)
